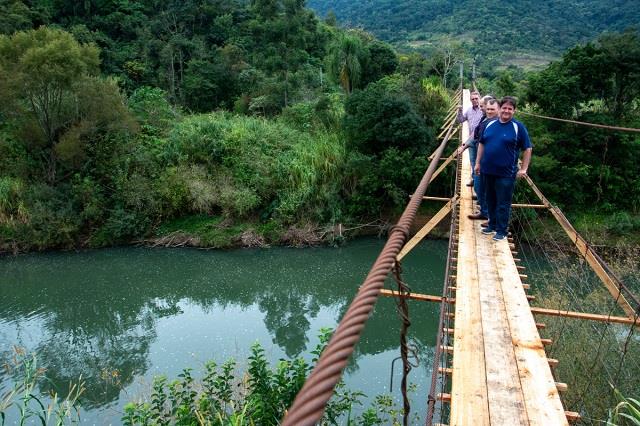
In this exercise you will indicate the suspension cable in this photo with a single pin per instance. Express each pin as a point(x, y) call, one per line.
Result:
point(309, 404)
point(582, 123)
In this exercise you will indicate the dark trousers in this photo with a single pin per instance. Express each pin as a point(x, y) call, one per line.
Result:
point(498, 193)
point(478, 187)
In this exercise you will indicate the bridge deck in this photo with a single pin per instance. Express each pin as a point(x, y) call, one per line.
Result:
point(501, 375)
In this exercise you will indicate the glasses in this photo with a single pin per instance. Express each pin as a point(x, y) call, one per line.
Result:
point(474, 99)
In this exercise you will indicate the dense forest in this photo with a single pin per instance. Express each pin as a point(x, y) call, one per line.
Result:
point(521, 32)
point(122, 120)
point(220, 123)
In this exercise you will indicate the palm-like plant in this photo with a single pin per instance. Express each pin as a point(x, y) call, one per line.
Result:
point(625, 413)
point(344, 61)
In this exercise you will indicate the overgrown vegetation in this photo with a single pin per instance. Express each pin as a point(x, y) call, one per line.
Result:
point(598, 361)
point(25, 404)
point(263, 124)
point(261, 395)
point(106, 146)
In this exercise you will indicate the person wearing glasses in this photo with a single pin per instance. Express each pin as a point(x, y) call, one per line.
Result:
point(490, 106)
point(473, 115)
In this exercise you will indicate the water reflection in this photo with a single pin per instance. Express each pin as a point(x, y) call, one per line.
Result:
point(112, 316)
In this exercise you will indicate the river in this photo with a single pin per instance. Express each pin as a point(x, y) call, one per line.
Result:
point(118, 317)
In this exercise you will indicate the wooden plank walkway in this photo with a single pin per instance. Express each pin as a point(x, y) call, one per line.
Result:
point(500, 372)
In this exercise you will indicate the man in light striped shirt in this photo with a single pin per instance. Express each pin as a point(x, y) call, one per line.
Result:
point(473, 115)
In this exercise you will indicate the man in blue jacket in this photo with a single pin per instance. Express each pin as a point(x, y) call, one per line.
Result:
point(497, 162)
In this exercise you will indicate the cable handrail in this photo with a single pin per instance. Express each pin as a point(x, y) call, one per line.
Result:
point(309, 404)
point(582, 123)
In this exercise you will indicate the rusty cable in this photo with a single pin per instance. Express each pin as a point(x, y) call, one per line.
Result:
point(309, 404)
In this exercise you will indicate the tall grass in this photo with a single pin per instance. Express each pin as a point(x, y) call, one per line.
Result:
point(249, 165)
point(26, 404)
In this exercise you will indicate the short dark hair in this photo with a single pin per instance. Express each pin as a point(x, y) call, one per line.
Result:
point(509, 100)
point(491, 101)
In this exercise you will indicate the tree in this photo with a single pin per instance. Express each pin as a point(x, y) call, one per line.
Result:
point(43, 67)
point(380, 60)
point(382, 116)
point(622, 55)
point(444, 58)
point(505, 84)
point(344, 61)
point(49, 84)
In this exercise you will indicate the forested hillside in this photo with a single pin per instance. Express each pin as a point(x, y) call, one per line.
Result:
point(541, 28)
point(199, 122)
point(221, 123)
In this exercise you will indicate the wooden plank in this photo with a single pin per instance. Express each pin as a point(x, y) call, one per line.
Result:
point(428, 227)
point(444, 370)
point(541, 396)
point(444, 397)
point(532, 206)
point(585, 316)
point(443, 165)
point(505, 397)
point(468, 381)
point(447, 349)
point(572, 416)
point(415, 296)
point(436, 198)
point(446, 127)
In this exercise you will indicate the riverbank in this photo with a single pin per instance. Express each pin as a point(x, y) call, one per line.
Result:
point(609, 234)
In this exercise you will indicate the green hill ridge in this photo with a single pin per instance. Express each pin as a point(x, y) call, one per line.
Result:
point(535, 31)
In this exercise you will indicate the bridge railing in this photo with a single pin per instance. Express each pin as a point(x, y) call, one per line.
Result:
point(309, 405)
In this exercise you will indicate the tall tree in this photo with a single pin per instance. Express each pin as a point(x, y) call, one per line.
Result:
point(345, 58)
point(43, 67)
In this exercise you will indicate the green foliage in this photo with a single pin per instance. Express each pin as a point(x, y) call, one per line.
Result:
point(382, 116)
point(626, 412)
point(91, 168)
point(344, 61)
point(580, 166)
point(248, 165)
point(622, 223)
point(262, 397)
point(63, 101)
point(484, 29)
point(389, 141)
point(152, 109)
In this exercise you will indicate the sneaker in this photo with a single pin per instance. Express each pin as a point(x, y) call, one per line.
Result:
point(484, 224)
point(488, 231)
point(499, 237)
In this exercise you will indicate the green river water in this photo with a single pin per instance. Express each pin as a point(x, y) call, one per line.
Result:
point(118, 317)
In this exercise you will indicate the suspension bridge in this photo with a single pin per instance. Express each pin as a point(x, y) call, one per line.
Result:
point(490, 365)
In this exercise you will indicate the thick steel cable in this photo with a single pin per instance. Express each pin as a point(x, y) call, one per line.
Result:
point(309, 405)
point(582, 123)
